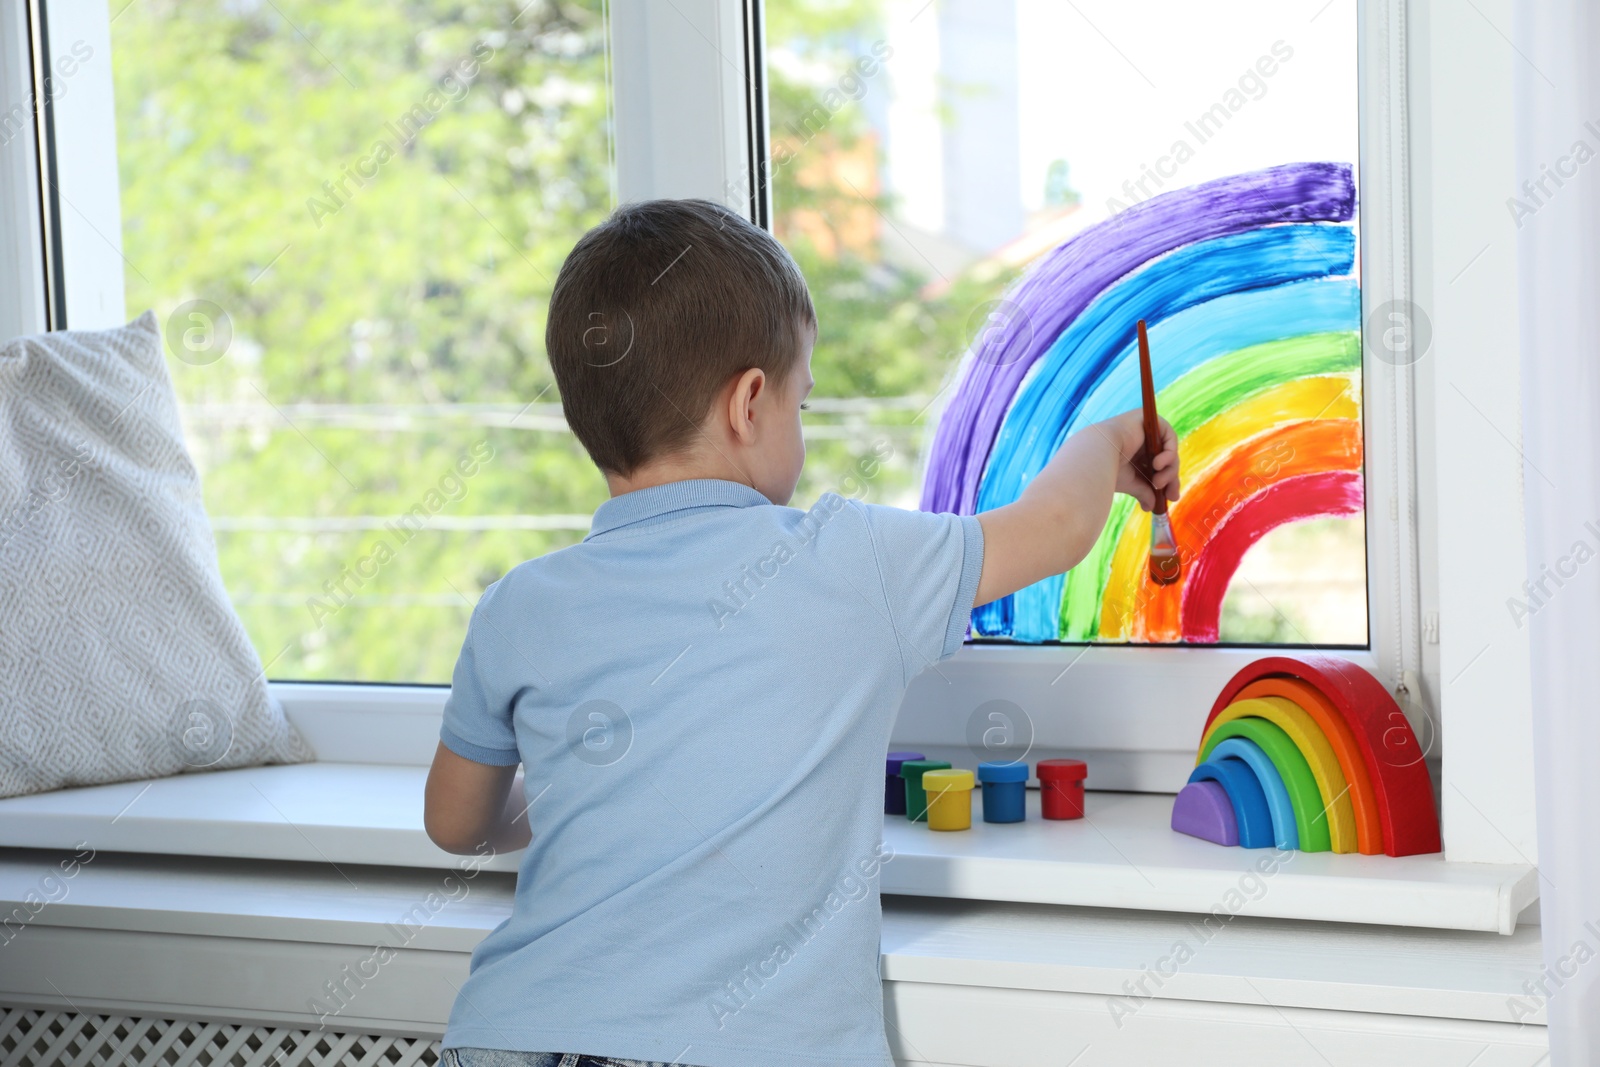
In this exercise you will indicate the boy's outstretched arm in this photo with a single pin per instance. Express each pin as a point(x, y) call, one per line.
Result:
point(1055, 522)
point(468, 805)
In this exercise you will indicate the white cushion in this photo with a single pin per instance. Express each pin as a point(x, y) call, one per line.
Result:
point(120, 655)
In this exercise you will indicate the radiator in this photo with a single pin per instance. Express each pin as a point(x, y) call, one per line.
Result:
point(30, 1038)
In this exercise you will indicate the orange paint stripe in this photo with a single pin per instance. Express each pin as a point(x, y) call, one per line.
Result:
point(1210, 443)
point(1306, 447)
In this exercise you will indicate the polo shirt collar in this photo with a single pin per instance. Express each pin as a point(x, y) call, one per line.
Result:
point(658, 501)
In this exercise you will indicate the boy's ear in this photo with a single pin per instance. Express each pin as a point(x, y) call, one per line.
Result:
point(741, 403)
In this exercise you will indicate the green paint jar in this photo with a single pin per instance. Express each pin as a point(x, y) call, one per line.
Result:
point(916, 799)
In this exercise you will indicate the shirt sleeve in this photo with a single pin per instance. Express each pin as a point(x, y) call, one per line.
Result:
point(477, 722)
point(929, 565)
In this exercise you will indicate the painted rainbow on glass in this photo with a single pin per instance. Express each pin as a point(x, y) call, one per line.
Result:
point(1249, 286)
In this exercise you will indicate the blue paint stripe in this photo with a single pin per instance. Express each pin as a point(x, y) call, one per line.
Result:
point(1218, 327)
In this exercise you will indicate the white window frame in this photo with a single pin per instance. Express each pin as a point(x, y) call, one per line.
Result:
point(23, 300)
point(689, 105)
point(85, 251)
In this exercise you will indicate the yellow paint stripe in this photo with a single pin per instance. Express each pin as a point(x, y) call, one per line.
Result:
point(1322, 397)
point(1210, 443)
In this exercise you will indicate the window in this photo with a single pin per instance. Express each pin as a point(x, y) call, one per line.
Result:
point(348, 218)
point(928, 156)
point(922, 159)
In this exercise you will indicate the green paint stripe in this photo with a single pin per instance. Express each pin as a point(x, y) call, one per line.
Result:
point(1221, 383)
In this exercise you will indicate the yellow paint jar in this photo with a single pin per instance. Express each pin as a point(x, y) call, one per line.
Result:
point(949, 799)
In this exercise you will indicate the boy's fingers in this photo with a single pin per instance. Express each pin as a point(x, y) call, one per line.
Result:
point(1158, 474)
point(1164, 467)
point(1162, 478)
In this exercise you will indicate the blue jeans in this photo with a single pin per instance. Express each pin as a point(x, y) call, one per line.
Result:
point(499, 1057)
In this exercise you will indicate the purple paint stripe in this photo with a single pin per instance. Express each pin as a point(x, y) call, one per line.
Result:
point(1057, 289)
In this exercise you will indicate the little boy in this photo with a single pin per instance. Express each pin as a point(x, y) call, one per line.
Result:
point(701, 692)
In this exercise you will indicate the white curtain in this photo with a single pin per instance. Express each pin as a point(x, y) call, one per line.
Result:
point(1558, 235)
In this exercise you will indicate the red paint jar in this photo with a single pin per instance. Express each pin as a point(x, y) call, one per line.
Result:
point(1061, 787)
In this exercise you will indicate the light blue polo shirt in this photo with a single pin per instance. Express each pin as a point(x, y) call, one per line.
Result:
point(701, 694)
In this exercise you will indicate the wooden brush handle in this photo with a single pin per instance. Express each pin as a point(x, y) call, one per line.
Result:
point(1152, 422)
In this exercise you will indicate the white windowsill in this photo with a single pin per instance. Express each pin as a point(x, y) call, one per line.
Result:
point(1122, 856)
point(358, 813)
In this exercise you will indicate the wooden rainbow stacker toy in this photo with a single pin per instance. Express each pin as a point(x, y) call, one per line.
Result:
point(1310, 754)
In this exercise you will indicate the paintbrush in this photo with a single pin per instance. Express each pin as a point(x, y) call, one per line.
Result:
point(1165, 566)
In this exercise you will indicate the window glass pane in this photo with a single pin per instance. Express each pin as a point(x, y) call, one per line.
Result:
point(986, 194)
point(348, 216)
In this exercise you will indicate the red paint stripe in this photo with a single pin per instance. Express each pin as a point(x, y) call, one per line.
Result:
point(1303, 496)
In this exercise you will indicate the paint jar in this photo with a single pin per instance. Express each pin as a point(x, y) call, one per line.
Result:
point(949, 799)
point(894, 786)
point(912, 771)
point(1061, 787)
point(1005, 790)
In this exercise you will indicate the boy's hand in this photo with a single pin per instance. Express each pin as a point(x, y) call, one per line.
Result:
point(1142, 475)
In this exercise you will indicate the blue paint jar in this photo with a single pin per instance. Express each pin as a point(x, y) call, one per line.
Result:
point(1005, 786)
point(894, 786)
